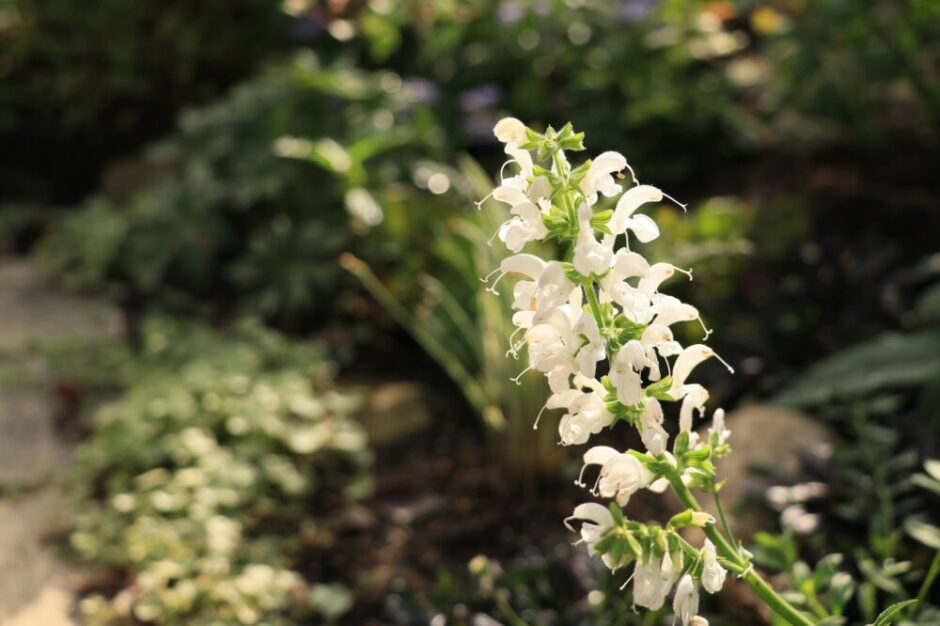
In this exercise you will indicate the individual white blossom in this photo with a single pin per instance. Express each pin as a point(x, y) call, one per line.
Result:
point(587, 415)
point(694, 399)
point(525, 226)
point(713, 574)
point(653, 580)
point(590, 255)
point(601, 176)
point(652, 433)
point(718, 432)
point(596, 521)
point(621, 474)
point(685, 603)
point(509, 129)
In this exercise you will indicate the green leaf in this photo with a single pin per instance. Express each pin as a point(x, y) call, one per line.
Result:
point(928, 306)
point(933, 468)
point(925, 533)
point(890, 360)
point(894, 611)
point(926, 482)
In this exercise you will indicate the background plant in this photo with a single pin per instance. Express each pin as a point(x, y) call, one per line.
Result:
point(207, 482)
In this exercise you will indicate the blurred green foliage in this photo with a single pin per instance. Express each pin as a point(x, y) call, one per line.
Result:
point(241, 223)
point(227, 459)
point(463, 327)
point(85, 82)
point(888, 368)
point(554, 589)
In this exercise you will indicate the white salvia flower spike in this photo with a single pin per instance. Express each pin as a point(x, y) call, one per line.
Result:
point(598, 325)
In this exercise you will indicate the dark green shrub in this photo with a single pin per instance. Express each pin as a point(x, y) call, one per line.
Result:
point(84, 82)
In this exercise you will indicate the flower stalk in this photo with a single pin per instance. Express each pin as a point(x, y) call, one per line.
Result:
point(598, 327)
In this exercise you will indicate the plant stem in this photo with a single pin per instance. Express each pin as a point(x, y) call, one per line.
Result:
point(724, 520)
point(729, 552)
point(928, 582)
point(593, 302)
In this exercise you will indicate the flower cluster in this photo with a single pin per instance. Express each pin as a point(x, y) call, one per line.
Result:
point(599, 328)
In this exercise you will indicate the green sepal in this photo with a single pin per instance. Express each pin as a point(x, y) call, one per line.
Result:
point(694, 457)
point(681, 445)
point(617, 513)
point(680, 520)
point(571, 273)
point(660, 389)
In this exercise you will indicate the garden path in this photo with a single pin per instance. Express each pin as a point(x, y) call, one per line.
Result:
point(35, 582)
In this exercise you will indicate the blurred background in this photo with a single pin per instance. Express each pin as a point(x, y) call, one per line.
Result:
point(247, 373)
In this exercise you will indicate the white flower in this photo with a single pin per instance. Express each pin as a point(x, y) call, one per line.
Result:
point(509, 129)
point(596, 347)
point(526, 226)
point(630, 201)
point(600, 176)
point(658, 342)
point(652, 433)
point(671, 310)
point(652, 581)
point(628, 361)
point(628, 264)
point(685, 604)
point(654, 277)
point(635, 304)
point(596, 521)
point(552, 342)
point(687, 361)
point(527, 265)
point(587, 413)
point(695, 397)
point(718, 430)
point(553, 288)
point(590, 255)
point(713, 574)
point(698, 620)
point(621, 474)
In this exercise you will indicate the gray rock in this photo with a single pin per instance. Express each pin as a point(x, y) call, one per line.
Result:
point(28, 563)
point(31, 312)
point(763, 435)
point(29, 449)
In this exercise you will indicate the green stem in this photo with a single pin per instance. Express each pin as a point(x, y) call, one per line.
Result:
point(593, 302)
point(729, 552)
point(928, 582)
point(724, 520)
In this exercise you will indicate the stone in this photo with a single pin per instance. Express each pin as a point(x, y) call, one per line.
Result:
point(28, 561)
point(763, 435)
point(32, 313)
point(29, 448)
